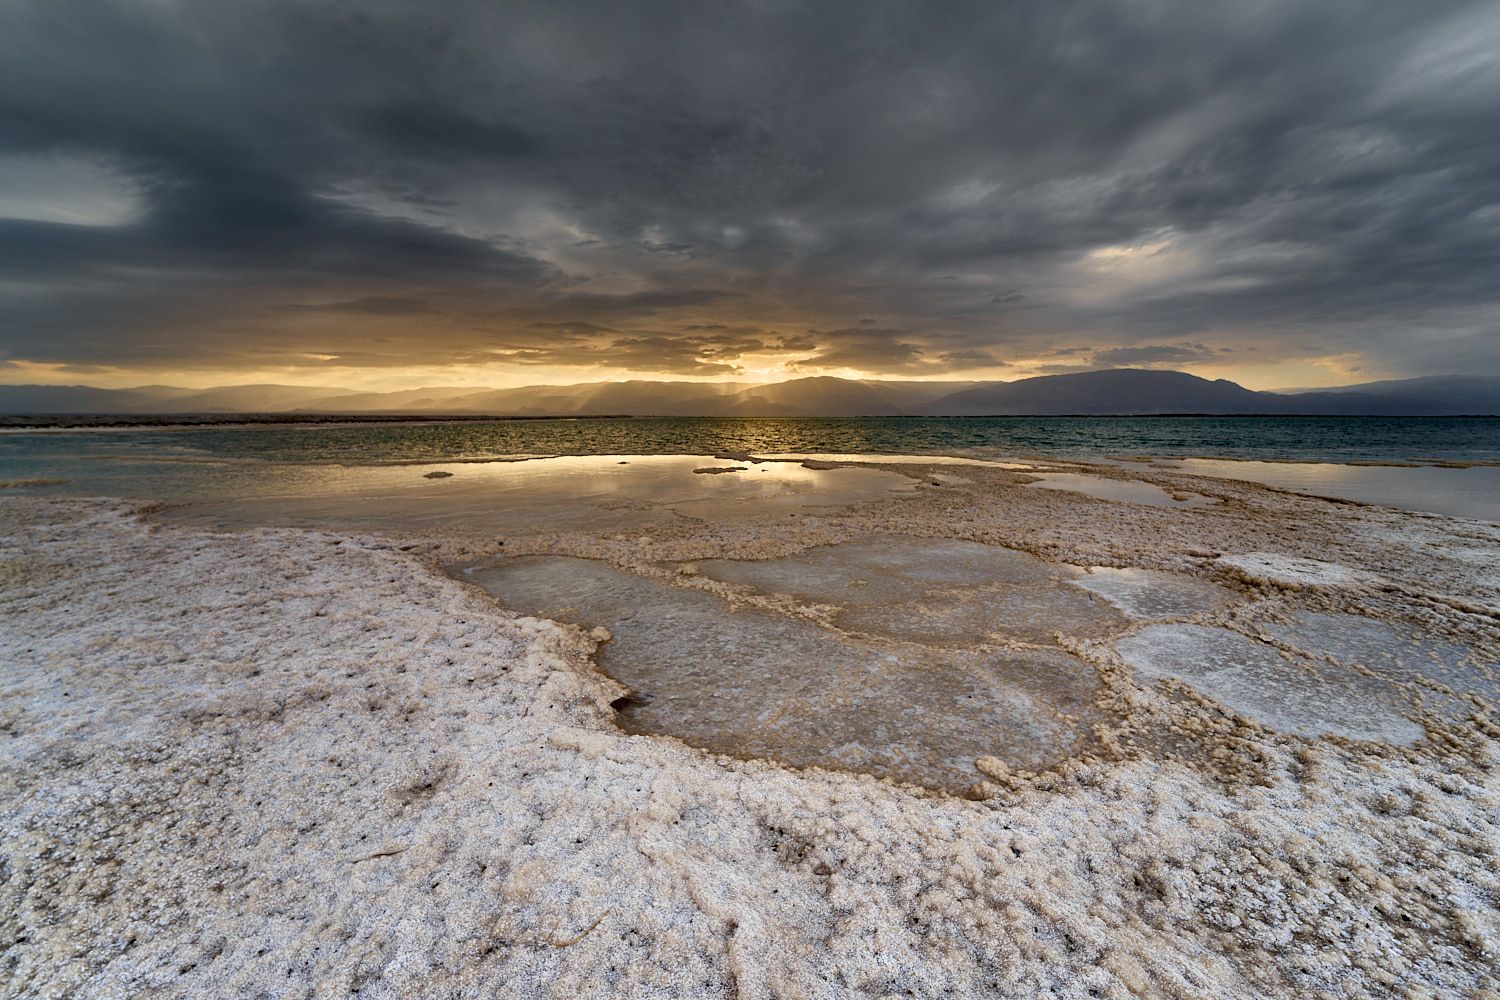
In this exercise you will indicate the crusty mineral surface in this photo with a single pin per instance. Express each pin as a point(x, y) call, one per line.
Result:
point(294, 763)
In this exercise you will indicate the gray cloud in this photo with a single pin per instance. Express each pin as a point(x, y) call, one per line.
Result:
point(666, 184)
point(376, 305)
point(1153, 354)
point(655, 353)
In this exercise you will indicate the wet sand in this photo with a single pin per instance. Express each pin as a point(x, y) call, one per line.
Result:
point(304, 760)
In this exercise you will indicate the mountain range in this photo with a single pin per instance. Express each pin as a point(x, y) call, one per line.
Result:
point(1112, 392)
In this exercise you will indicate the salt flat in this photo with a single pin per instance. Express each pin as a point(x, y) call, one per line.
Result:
point(298, 761)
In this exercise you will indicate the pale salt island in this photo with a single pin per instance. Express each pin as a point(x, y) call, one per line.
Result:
point(282, 723)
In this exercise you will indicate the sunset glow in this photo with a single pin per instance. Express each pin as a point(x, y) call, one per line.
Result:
point(522, 194)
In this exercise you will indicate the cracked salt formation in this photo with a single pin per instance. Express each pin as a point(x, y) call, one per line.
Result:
point(1146, 593)
point(880, 688)
point(1381, 648)
point(753, 683)
point(1297, 572)
point(932, 591)
point(1289, 694)
point(885, 569)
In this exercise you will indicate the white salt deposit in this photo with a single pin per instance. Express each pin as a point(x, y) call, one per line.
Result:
point(1295, 572)
point(1256, 680)
point(1145, 593)
point(1382, 648)
point(301, 763)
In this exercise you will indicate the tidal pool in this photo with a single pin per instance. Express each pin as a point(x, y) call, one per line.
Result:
point(933, 591)
point(908, 658)
point(754, 683)
point(584, 493)
point(902, 657)
point(1457, 492)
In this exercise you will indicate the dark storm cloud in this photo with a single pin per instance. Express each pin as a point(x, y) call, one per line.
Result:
point(423, 129)
point(905, 352)
point(640, 303)
point(866, 349)
point(984, 181)
point(1153, 354)
point(970, 358)
point(377, 305)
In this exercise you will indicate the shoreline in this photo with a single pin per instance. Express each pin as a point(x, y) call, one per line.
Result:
point(1461, 489)
point(1025, 450)
point(22, 422)
point(763, 455)
point(233, 421)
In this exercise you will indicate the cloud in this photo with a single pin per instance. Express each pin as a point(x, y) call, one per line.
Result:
point(1153, 354)
point(867, 349)
point(966, 359)
point(1061, 369)
point(657, 353)
point(375, 305)
point(642, 303)
point(887, 352)
point(1164, 181)
point(428, 128)
point(573, 328)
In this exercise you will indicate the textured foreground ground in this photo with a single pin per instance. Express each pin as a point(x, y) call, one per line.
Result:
point(285, 764)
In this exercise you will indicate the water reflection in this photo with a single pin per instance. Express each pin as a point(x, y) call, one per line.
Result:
point(595, 493)
point(1473, 492)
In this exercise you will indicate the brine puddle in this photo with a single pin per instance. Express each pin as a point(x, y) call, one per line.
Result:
point(910, 658)
point(1322, 674)
point(922, 656)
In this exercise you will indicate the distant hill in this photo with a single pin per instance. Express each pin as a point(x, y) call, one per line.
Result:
point(1437, 394)
point(1119, 391)
point(827, 396)
point(159, 399)
point(84, 399)
point(1139, 391)
point(673, 399)
point(1116, 391)
point(250, 398)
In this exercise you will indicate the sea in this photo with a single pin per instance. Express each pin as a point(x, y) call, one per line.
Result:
point(1446, 465)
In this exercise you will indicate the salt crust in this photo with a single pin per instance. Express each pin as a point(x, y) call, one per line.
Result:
point(1293, 572)
point(288, 763)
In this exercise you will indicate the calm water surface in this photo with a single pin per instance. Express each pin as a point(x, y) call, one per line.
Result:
point(225, 461)
point(1308, 439)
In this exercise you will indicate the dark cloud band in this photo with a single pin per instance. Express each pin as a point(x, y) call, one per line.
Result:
point(675, 186)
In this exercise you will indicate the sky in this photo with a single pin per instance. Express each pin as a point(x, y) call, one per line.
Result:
point(382, 194)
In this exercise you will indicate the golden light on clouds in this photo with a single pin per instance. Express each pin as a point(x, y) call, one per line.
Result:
point(1308, 200)
point(754, 369)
